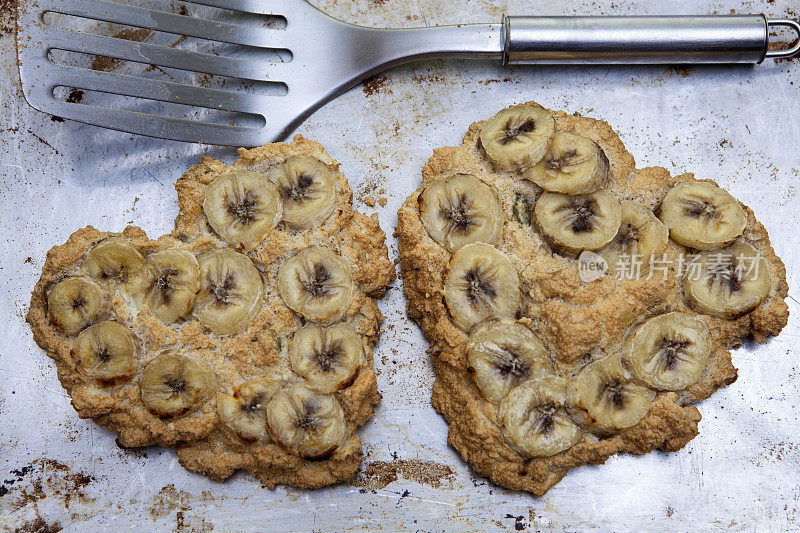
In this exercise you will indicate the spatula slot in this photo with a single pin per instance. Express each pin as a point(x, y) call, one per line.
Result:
point(100, 99)
point(106, 63)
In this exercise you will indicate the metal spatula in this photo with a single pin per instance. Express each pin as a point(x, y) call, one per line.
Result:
point(328, 56)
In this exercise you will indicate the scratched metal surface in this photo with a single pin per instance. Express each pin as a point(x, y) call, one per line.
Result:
point(737, 125)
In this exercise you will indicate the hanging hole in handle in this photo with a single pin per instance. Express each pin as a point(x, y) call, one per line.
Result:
point(785, 53)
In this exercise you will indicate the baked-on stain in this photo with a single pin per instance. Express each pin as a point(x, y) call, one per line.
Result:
point(43, 479)
point(107, 64)
point(376, 85)
point(167, 500)
point(38, 525)
point(376, 475)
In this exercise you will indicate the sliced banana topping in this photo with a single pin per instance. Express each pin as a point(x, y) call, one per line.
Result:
point(501, 354)
point(701, 215)
point(317, 284)
point(534, 420)
point(517, 138)
point(669, 352)
point(641, 239)
point(572, 165)
point(114, 262)
point(605, 400)
point(231, 291)
point(107, 352)
point(75, 302)
point(328, 358)
point(727, 283)
point(245, 411)
point(306, 422)
point(243, 207)
point(173, 384)
point(307, 190)
point(461, 210)
point(168, 284)
point(481, 282)
point(573, 224)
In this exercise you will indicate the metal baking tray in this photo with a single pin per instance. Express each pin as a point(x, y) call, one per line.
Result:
point(738, 125)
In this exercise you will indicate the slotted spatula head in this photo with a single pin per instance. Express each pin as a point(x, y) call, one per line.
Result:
point(306, 62)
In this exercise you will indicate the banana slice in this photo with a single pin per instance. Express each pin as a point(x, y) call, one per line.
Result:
point(640, 238)
point(114, 262)
point(572, 165)
point(328, 358)
point(481, 283)
point(173, 384)
point(106, 351)
point(605, 400)
point(231, 291)
point(461, 210)
point(168, 284)
point(670, 351)
point(573, 224)
point(727, 283)
point(700, 215)
point(534, 420)
point(306, 422)
point(517, 138)
point(243, 207)
point(75, 302)
point(245, 411)
point(307, 190)
point(501, 354)
point(317, 284)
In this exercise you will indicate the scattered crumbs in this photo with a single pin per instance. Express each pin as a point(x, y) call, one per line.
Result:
point(428, 78)
point(670, 511)
point(382, 201)
point(8, 10)
point(29, 260)
point(376, 85)
point(372, 187)
point(378, 474)
point(725, 143)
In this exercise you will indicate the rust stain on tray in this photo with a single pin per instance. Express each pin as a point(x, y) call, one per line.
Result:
point(376, 475)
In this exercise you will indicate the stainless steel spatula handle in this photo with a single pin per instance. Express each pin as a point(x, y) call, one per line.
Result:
point(649, 39)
